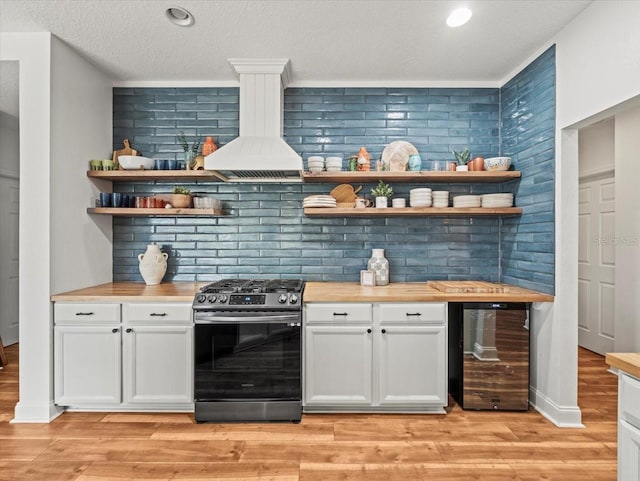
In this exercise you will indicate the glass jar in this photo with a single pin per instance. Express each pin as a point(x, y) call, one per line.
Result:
point(380, 267)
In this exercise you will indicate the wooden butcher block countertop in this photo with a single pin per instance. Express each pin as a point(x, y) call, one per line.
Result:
point(416, 292)
point(132, 292)
point(625, 361)
point(317, 292)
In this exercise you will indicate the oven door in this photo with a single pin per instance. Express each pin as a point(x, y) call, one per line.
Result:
point(247, 355)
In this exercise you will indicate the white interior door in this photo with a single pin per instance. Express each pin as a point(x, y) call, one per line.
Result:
point(596, 264)
point(9, 215)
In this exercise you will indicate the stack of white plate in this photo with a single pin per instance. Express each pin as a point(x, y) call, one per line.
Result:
point(440, 198)
point(334, 164)
point(420, 197)
point(466, 201)
point(497, 200)
point(398, 203)
point(315, 163)
point(319, 201)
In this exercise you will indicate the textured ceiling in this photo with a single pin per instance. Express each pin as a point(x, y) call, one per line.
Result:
point(372, 41)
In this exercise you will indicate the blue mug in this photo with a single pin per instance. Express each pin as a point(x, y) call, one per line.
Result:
point(160, 164)
point(116, 199)
point(172, 164)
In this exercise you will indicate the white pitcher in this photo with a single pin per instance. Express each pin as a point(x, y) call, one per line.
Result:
point(153, 265)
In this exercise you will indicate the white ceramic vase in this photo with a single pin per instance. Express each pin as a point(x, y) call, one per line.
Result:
point(153, 265)
point(462, 168)
point(380, 266)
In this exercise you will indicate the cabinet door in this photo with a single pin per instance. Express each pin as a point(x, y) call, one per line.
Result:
point(87, 365)
point(628, 452)
point(158, 364)
point(338, 365)
point(412, 365)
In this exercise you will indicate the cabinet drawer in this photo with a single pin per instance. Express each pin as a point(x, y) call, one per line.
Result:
point(156, 313)
point(430, 312)
point(86, 312)
point(630, 399)
point(338, 313)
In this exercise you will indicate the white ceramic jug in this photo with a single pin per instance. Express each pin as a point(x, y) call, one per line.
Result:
point(153, 265)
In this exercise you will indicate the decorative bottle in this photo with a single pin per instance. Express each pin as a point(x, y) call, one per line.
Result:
point(209, 146)
point(153, 265)
point(364, 160)
point(380, 266)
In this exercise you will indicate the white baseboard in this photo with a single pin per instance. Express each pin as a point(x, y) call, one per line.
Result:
point(36, 412)
point(561, 416)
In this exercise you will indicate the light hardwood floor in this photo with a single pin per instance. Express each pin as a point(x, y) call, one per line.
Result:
point(461, 446)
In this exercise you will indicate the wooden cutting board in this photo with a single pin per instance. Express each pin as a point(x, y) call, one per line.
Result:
point(471, 287)
point(126, 151)
point(396, 155)
point(345, 194)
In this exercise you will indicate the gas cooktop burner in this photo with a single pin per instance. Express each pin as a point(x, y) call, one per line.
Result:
point(246, 286)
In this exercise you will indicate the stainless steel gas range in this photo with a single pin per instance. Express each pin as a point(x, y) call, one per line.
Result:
point(248, 351)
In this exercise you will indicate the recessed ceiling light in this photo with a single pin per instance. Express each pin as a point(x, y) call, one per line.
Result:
point(458, 17)
point(179, 16)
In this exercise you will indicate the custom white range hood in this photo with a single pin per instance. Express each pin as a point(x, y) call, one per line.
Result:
point(259, 154)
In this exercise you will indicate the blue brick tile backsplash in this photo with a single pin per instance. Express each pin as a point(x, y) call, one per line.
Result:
point(265, 233)
point(528, 137)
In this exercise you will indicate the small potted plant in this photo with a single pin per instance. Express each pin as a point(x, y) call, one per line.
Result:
point(462, 158)
point(190, 153)
point(181, 197)
point(382, 192)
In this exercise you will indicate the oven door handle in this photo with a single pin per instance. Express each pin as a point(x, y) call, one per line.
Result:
point(252, 319)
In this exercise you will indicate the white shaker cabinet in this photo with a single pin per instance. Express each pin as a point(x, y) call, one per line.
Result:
point(375, 357)
point(87, 365)
point(87, 354)
point(127, 357)
point(628, 427)
point(338, 350)
point(338, 360)
point(412, 343)
point(157, 353)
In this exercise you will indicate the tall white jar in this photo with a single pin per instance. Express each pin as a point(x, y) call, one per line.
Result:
point(380, 266)
point(153, 265)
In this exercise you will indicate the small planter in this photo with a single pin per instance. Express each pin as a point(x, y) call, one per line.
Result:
point(181, 201)
point(382, 202)
point(462, 168)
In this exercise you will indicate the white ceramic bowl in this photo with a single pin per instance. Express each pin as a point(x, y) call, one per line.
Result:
point(497, 163)
point(135, 162)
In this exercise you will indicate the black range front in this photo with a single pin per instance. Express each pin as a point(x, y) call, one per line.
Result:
point(248, 351)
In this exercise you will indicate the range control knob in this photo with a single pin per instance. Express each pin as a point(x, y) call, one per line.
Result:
point(201, 298)
point(282, 299)
point(293, 299)
point(211, 298)
point(222, 298)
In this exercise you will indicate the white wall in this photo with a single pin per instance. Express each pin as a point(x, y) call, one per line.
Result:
point(40, 160)
point(596, 148)
point(597, 68)
point(81, 129)
point(627, 237)
point(33, 53)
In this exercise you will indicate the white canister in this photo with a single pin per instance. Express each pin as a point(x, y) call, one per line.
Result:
point(380, 266)
point(153, 265)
